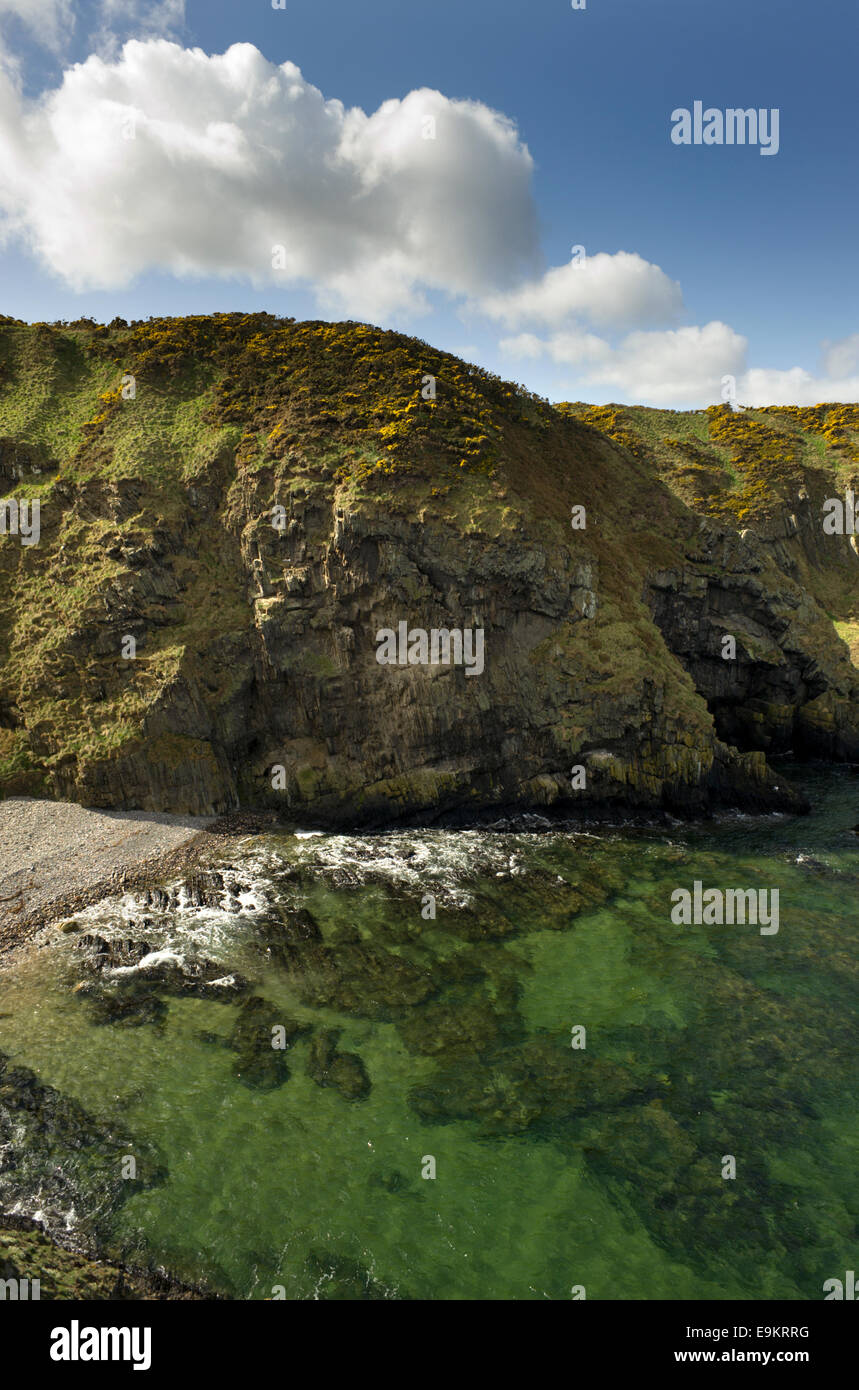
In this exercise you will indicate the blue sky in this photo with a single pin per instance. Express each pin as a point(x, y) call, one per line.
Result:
point(737, 263)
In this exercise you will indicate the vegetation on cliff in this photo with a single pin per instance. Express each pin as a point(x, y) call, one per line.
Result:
point(411, 486)
point(768, 469)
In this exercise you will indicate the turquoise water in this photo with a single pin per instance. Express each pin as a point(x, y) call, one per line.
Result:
point(554, 1167)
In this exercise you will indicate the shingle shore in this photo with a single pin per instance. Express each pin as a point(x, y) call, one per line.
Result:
point(56, 857)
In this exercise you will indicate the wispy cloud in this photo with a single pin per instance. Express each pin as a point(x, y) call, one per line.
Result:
point(54, 25)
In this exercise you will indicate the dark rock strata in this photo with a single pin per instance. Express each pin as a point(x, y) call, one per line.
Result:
point(256, 682)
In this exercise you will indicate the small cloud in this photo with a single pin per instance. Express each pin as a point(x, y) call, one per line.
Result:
point(617, 291)
point(49, 23)
point(52, 24)
point(681, 365)
point(524, 345)
point(841, 359)
point(795, 386)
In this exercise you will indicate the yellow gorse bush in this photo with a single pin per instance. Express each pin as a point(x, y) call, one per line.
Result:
point(306, 386)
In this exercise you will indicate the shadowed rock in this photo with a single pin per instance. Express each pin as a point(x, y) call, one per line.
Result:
point(343, 1070)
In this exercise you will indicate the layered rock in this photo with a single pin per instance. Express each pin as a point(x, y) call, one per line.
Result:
point(249, 522)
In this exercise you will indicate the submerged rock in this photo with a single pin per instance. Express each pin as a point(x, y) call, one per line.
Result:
point(536, 1084)
point(361, 979)
point(343, 1070)
point(393, 1182)
point(198, 978)
point(284, 934)
point(131, 981)
point(28, 1252)
point(56, 1159)
point(260, 1036)
point(458, 1025)
point(130, 1005)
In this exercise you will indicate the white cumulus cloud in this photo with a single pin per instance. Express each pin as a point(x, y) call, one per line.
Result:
point(673, 366)
point(795, 386)
point(232, 156)
point(158, 157)
point(621, 290)
point(685, 367)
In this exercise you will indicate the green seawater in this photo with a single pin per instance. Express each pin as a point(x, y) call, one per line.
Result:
point(555, 1167)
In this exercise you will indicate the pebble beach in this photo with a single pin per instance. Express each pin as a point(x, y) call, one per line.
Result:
point(56, 856)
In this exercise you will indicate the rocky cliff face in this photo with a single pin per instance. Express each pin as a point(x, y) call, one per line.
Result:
point(267, 497)
point(787, 687)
